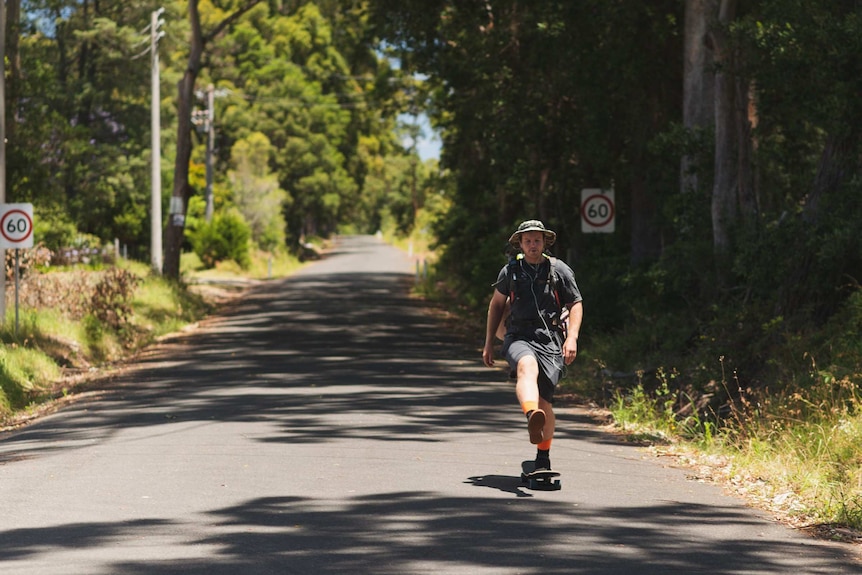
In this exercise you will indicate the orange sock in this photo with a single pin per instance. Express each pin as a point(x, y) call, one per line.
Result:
point(545, 445)
point(529, 406)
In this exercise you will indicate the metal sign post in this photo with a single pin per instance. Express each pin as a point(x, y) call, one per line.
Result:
point(17, 275)
point(16, 231)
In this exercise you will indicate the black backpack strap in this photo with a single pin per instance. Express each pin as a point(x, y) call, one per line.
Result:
point(554, 281)
point(512, 274)
point(555, 285)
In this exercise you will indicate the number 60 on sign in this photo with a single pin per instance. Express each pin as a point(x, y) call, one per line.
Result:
point(16, 226)
point(597, 210)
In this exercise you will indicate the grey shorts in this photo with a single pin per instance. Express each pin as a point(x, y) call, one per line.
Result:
point(549, 372)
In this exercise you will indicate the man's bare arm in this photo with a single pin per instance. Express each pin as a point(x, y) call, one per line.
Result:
point(570, 346)
point(496, 307)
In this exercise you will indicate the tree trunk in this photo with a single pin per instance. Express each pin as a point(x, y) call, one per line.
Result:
point(725, 186)
point(645, 239)
point(13, 56)
point(182, 189)
point(748, 205)
point(832, 169)
point(698, 108)
point(835, 165)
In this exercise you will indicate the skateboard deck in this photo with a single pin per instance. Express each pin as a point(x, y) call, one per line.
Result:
point(542, 479)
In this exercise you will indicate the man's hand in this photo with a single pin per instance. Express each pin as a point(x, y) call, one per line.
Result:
point(570, 350)
point(496, 307)
point(570, 346)
point(488, 355)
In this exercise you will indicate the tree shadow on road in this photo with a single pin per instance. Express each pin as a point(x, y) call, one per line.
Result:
point(420, 532)
point(295, 352)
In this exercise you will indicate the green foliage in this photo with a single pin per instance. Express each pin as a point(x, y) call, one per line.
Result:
point(22, 374)
point(256, 192)
point(653, 415)
point(291, 83)
point(225, 238)
point(523, 139)
point(53, 229)
point(800, 444)
point(81, 123)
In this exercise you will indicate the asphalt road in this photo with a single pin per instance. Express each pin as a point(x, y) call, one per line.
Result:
point(327, 423)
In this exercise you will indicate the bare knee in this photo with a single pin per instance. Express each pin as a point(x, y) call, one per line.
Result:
point(528, 368)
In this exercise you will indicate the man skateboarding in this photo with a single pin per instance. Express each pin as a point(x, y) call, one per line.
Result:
point(541, 328)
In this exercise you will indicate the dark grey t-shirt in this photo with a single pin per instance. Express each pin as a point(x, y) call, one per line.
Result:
point(535, 312)
point(533, 291)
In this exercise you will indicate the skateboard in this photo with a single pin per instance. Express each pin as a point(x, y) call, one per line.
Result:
point(543, 479)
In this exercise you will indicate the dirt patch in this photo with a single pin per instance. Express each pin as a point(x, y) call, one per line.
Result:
point(220, 292)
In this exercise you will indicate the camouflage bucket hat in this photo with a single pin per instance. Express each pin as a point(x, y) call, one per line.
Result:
point(533, 226)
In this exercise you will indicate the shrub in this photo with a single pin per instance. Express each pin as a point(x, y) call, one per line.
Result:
point(54, 230)
point(226, 237)
point(112, 297)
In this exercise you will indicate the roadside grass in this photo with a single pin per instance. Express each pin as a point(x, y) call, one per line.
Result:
point(796, 453)
point(80, 320)
point(161, 307)
point(23, 372)
point(75, 336)
point(787, 438)
point(264, 265)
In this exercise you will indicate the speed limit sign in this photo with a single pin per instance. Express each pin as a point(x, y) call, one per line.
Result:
point(597, 210)
point(16, 225)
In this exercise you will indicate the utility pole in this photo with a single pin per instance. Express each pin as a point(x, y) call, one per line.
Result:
point(155, 135)
point(3, 150)
point(204, 120)
point(210, 124)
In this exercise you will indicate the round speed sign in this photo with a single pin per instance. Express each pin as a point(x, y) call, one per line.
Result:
point(16, 225)
point(597, 210)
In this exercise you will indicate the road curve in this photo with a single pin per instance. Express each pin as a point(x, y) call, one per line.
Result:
point(326, 423)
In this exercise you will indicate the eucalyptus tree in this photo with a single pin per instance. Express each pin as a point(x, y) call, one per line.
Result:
point(225, 13)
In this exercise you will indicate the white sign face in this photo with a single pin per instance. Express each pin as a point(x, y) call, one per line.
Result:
point(597, 211)
point(16, 225)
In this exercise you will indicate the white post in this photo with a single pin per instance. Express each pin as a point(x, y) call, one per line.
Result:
point(155, 135)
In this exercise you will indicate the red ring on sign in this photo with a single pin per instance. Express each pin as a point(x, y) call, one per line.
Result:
point(29, 226)
point(610, 210)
